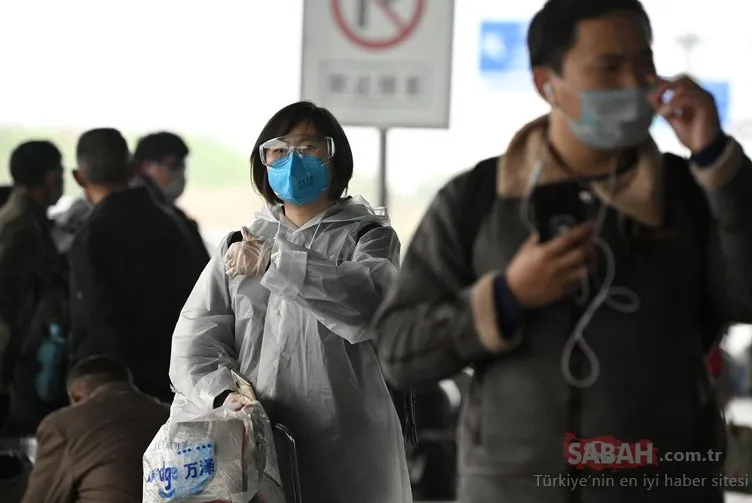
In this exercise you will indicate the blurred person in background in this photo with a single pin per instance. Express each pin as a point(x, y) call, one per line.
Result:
point(131, 266)
point(30, 271)
point(90, 452)
point(161, 160)
point(600, 330)
point(67, 223)
point(720, 375)
point(15, 469)
point(288, 302)
point(5, 192)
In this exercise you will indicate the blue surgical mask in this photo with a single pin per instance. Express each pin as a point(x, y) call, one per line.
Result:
point(298, 179)
point(613, 119)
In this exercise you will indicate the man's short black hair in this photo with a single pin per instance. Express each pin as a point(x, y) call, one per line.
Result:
point(326, 124)
point(553, 30)
point(104, 157)
point(99, 369)
point(157, 147)
point(30, 163)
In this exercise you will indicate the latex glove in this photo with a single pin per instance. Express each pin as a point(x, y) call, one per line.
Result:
point(248, 257)
point(238, 401)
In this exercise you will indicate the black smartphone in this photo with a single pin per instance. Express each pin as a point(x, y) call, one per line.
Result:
point(243, 384)
point(558, 208)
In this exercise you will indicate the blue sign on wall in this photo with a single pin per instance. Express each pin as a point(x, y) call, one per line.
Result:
point(721, 92)
point(503, 46)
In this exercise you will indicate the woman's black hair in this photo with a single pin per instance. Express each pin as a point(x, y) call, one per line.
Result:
point(285, 121)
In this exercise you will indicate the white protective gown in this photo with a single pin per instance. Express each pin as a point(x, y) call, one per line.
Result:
point(301, 333)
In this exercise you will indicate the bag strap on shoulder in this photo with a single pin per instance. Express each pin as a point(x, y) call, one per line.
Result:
point(235, 237)
point(477, 200)
point(365, 230)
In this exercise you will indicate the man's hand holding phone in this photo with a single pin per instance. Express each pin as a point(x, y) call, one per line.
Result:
point(542, 273)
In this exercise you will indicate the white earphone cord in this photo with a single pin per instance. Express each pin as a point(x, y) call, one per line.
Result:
point(619, 298)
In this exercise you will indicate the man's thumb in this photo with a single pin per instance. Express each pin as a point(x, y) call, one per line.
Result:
point(532, 240)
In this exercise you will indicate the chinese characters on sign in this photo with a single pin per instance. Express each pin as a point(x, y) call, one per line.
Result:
point(375, 85)
point(379, 63)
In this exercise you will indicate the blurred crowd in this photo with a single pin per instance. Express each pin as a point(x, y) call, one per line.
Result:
point(107, 277)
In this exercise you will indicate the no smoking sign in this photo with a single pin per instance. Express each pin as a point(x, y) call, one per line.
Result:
point(378, 24)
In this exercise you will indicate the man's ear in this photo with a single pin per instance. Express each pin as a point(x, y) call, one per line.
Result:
point(542, 78)
point(75, 397)
point(79, 177)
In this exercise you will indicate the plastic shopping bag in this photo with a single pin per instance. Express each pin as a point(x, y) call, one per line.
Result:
point(225, 456)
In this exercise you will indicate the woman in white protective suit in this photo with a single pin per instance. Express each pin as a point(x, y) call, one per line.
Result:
point(290, 307)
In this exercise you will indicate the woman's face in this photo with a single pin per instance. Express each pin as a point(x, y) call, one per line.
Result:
point(303, 139)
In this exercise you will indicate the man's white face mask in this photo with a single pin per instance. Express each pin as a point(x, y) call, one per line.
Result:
point(175, 188)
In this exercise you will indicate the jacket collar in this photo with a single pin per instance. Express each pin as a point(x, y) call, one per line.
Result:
point(636, 192)
point(137, 196)
point(113, 388)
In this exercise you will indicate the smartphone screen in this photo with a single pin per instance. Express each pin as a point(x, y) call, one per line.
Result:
point(240, 379)
point(557, 208)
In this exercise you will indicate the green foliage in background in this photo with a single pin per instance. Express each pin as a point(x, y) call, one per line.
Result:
point(211, 165)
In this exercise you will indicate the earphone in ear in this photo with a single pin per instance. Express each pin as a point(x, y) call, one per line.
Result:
point(548, 91)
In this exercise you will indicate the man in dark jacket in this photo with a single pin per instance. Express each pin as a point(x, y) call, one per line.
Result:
point(161, 159)
point(130, 271)
point(552, 371)
point(5, 192)
point(29, 266)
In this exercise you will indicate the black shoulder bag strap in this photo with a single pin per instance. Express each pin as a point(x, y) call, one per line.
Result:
point(235, 237)
point(477, 200)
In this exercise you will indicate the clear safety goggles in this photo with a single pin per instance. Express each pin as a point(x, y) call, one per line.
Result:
point(303, 144)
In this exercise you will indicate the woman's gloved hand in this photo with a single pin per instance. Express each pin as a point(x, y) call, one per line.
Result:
point(248, 257)
point(236, 400)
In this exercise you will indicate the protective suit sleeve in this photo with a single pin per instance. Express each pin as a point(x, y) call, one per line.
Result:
point(440, 317)
point(203, 344)
point(342, 295)
point(727, 183)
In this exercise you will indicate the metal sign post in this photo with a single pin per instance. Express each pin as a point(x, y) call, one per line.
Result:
point(380, 63)
point(383, 185)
